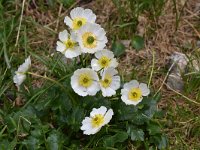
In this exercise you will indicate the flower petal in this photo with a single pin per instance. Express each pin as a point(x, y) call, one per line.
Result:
point(91, 17)
point(92, 131)
point(108, 116)
point(107, 92)
point(131, 84)
point(102, 110)
point(95, 65)
point(71, 53)
point(63, 36)
point(145, 90)
point(60, 47)
point(76, 12)
point(93, 89)
point(18, 79)
point(68, 21)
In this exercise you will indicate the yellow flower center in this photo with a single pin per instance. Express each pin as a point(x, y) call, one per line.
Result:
point(97, 120)
point(135, 94)
point(106, 81)
point(104, 61)
point(69, 43)
point(85, 80)
point(78, 22)
point(89, 40)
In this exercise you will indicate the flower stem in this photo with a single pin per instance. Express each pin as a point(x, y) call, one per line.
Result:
point(47, 78)
point(81, 59)
point(152, 69)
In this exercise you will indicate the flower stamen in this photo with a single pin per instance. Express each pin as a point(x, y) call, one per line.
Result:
point(97, 120)
point(135, 94)
point(69, 44)
point(89, 40)
point(106, 81)
point(85, 80)
point(104, 61)
point(78, 22)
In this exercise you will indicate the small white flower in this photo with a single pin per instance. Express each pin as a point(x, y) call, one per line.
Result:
point(133, 91)
point(91, 38)
point(98, 118)
point(85, 82)
point(20, 74)
point(79, 17)
point(68, 45)
point(105, 59)
point(110, 82)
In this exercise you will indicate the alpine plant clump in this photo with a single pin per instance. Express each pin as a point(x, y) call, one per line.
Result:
point(116, 109)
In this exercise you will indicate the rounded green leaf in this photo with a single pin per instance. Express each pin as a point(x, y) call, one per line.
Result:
point(118, 49)
point(137, 42)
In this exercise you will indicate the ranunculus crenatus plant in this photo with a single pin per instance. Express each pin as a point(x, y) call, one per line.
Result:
point(92, 105)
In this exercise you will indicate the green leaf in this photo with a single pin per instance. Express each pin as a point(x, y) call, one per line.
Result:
point(55, 141)
point(157, 97)
point(137, 42)
point(150, 107)
point(51, 3)
point(12, 125)
point(151, 111)
point(118, 49)
point(37, 133)
point(153, 128)
point(139, 118)
point(32, 143)
point(67, 3)
point(75, 118)
point(159, 140)
point(4, 144)
point(135, 133)
point(131, 113)
point(163, 142)
point(112, 140)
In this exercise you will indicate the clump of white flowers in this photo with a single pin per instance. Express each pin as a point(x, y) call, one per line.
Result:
point(20, 74)
point(87, 37)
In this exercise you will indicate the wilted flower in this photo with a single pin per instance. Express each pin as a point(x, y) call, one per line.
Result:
point(110, 82)
point(91, 38)
point(68, 44)
point(98, 118)
point(105, 59)
point(20, 74)
point(133, 92)
point(85, 82)
point(79, 17)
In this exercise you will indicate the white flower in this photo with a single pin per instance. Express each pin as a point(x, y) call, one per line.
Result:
point(133, 91)
point(85, 82)
point(79, 17)
point(105, 59)
point(68, 45)
point(98, 118)
point(91, 38)
point(110, 82)
point(20, 74)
